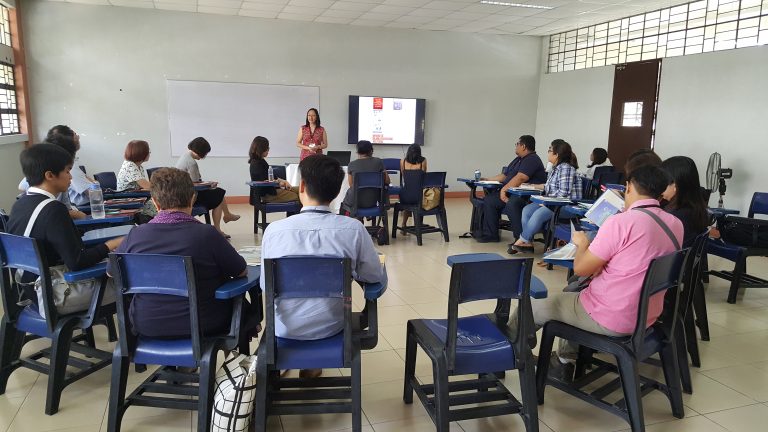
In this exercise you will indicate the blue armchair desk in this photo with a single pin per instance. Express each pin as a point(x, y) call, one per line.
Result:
point(239, 286)
point(538, 289)
point(97, 236)
point(109, 220)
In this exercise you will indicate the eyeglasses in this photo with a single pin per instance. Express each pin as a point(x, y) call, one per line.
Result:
point(549, 151)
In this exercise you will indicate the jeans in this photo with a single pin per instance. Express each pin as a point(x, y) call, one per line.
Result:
point(535, 216)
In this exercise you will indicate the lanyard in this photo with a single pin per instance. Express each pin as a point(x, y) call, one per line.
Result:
point(315, 211)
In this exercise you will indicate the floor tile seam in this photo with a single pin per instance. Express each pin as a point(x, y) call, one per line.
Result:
point(722, 425)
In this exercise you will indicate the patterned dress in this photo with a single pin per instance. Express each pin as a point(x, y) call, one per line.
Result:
point(307, 138)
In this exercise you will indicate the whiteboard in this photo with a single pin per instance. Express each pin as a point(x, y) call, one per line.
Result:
point(230, 115)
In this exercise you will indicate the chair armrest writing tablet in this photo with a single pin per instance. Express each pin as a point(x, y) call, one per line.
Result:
point(98, 270)
point(263, 184)
point(374, 290)
point(239, 286)
point(109, 220)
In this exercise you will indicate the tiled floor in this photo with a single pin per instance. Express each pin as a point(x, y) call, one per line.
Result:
point(730, 389)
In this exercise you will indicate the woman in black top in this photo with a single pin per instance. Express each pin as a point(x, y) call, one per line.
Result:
point(260, 172)
point(683, 197)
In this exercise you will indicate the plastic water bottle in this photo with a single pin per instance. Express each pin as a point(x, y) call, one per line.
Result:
point(477, 175)
point(97, 201)
point(271, 174)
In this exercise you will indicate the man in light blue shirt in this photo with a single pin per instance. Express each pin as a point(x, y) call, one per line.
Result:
point(317, 231)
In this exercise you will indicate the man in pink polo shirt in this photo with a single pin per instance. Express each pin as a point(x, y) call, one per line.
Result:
point(617, 259)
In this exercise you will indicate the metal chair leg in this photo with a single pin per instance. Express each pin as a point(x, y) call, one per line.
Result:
point(11, 342)
point(631, 385)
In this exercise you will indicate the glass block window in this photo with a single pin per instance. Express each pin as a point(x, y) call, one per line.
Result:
point(632, 115)
point(9, 111)
point(691, 28)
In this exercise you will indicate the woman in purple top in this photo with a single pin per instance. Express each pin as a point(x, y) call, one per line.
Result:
point(175, 232)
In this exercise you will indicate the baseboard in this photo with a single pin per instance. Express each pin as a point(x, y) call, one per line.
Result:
point(244, 199)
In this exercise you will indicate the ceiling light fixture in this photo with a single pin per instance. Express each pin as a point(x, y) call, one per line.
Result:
point(501, 3)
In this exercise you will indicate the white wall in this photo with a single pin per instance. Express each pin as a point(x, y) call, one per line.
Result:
point(10, 174)
point(718, 102)
point(102, 70)
point(713, 102)
point(575, 106)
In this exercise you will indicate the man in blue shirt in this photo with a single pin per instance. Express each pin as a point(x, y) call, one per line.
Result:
point(525, 168)
point(316, 231)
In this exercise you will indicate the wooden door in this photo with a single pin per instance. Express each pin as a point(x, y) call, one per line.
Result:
point(633, 111)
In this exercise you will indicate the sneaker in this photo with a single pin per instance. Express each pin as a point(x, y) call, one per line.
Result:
point(560, 371)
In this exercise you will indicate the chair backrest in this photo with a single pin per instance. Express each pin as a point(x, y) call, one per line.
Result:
point(307, 277)
point(24, 253)
point(107, 180)
point(366, 185)
point(279, 171)
point(415, 181)
point(692, 271)
point(169, 275)
point(611, 177)
point(501, 279)
point(602, 170)
point(664, 273)
point(150, 171)
point(3, 221)
point(391, 164)
point(705, 194)
point(759, 204)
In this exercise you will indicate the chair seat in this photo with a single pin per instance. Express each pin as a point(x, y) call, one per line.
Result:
point(654, 339)
point(310, 354)
point(369, 212)
point(199, 210)
point(167, 352)
point(292, 206)
point(30, 321)
point(394, 190)
point(480, 346)
point(725, 250)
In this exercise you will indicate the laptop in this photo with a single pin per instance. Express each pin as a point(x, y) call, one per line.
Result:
point(342, 156)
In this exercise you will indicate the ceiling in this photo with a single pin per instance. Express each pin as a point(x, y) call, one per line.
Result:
point(469, 16)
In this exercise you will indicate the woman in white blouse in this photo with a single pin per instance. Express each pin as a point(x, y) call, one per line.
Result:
point(132, 174)
point(598, 158)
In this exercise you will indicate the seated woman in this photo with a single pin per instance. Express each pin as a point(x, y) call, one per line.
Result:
point(683, 197)
point(562, 182)
point(212, 199)
point(132, 174)
point(413, 161)
point(365, 162)
point(260, 172)
point(175, 232)
point(598, 158)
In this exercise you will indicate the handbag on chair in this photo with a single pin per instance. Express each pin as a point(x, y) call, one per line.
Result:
point(67, 297)
point(430, 198)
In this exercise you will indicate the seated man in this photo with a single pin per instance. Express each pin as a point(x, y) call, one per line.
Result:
point(618, 259)
point(318, 232)
point(47, 167)
point(365, 162)
point(525, 168)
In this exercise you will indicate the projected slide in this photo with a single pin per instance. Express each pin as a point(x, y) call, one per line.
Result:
point(384, 120)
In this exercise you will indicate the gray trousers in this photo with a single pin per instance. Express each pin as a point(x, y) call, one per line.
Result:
point(564, 307)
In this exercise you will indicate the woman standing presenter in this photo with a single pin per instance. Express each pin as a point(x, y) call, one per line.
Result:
point(312, 138)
